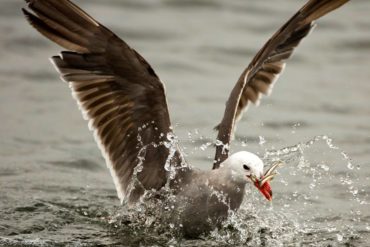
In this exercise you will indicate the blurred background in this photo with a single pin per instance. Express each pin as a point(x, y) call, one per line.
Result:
point(49, 162)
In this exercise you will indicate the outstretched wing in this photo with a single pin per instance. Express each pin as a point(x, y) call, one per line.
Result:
point(265, 68)
point(117, 91)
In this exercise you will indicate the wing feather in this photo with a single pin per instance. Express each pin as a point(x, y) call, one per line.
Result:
point(117, 91)
point(266, 67)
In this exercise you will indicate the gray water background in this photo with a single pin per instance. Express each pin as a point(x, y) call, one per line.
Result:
point(54, 185)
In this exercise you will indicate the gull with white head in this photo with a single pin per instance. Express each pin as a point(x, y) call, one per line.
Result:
point(245, 166)
point(124, 101)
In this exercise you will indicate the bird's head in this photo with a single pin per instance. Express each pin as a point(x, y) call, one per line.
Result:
point(246, 166)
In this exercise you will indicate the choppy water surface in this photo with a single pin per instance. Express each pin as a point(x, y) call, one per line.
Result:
point(55, 189)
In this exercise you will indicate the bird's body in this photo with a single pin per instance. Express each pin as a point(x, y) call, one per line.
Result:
point(207, 200)
point(202, 200)
point(124, 101)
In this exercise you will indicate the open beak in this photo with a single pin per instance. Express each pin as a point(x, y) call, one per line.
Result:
point(263, 183)
point(265, 189)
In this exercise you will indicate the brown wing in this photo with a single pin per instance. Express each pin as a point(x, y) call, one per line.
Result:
point(118, 92)
point(259, 77)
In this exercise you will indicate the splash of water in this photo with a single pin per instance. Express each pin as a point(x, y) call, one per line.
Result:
point(255, 225)
point(319, 176)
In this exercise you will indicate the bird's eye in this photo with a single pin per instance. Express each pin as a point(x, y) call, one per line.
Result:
point(246, 167)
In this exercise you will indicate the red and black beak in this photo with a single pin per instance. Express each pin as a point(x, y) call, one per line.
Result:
point(263, 183)
point(265, 189)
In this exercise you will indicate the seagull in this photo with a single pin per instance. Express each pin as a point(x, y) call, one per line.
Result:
point(125, 104)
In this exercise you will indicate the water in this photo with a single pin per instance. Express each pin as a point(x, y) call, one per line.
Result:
point(55, 189)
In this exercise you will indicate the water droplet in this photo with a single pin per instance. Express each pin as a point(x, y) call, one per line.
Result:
point(189, 135)
point(262, 140)
point(332, 229)
point(350, 166)
point(205, 146)
point(346, 181)
point(171, 137)
point(325, 167)
point(219, 143)
point(339, 237)
point(293, 173)
point(284, 182)
point(329, 142)
point(139, 168)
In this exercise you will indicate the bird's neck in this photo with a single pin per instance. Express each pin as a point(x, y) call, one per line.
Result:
point(231, 173)
point(224, 181)
point(225, 176)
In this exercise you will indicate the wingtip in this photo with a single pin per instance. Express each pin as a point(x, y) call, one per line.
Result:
point(28, 4)
point(55, 61)
point(29, 16)
point(315, 9)
point(25, 12)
